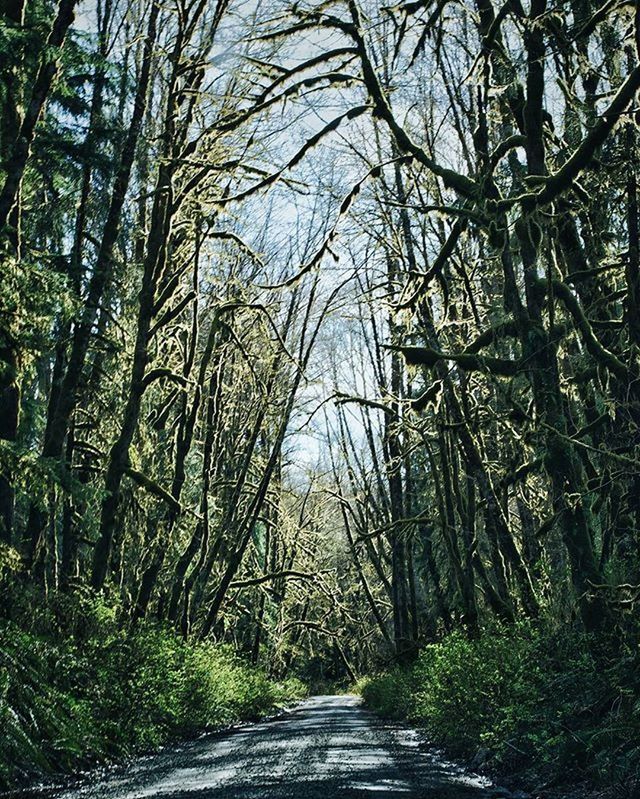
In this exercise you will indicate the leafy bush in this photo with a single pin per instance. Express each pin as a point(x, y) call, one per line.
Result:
point(527, 698)
point(69, 699)
point(389, 693)
point(478, 691)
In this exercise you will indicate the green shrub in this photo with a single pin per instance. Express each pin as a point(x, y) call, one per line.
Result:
point(70, 698)
point(390, 693)
point(478, 691)
point(529, 698)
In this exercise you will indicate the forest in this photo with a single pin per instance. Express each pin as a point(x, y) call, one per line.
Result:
point(320, 371)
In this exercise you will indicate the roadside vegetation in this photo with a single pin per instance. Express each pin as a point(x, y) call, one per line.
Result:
point(78, 689)
point(548, 708)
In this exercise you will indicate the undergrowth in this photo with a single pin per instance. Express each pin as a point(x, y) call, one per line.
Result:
point(523, 701)
point(77, 688)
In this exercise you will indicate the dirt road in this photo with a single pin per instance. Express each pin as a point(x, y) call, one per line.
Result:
point(326, 748)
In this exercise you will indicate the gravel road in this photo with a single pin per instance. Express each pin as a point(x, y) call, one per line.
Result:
point(327, 747)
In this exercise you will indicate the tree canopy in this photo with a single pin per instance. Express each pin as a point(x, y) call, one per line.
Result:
point(320, 321)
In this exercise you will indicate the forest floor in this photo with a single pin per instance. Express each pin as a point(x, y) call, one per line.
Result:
point(326, 747)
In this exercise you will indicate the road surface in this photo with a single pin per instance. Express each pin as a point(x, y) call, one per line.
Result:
point(327, 747)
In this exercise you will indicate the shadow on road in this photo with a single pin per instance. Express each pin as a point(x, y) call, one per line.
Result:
point(327, 748)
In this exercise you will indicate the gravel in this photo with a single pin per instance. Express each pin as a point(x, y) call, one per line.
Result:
point(327, 747)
